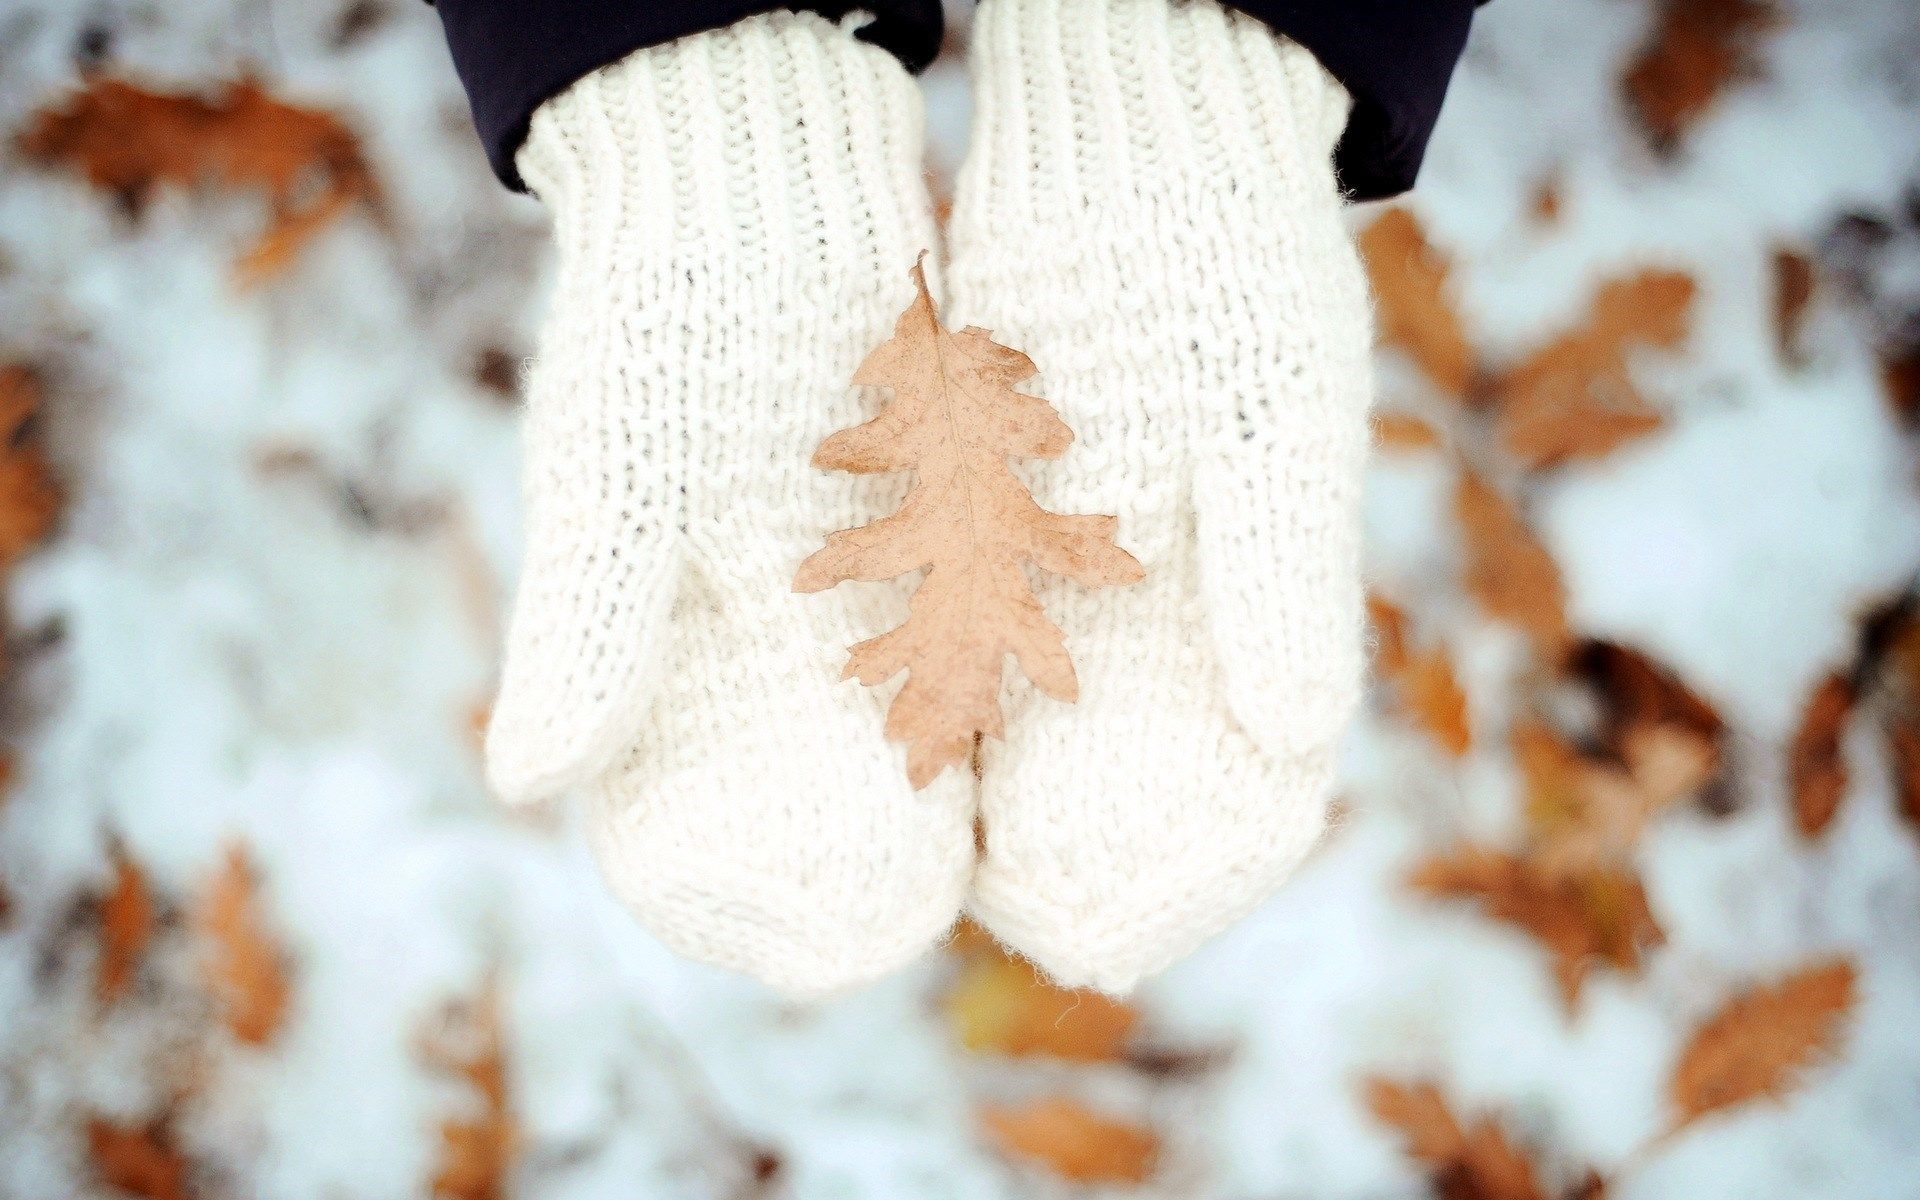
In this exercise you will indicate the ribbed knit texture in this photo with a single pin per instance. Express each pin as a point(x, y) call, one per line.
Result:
point(1149, 211)
point(736, 213)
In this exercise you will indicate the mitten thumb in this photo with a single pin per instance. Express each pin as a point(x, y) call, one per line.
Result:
point(586, 637)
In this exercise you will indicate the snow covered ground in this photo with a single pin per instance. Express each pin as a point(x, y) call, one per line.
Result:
point(268, 617)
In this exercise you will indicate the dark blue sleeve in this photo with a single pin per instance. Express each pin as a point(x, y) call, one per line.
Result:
point(1394, 56)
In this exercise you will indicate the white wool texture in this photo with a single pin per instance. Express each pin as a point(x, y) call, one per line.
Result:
point(1149, 210)
point(736, 214)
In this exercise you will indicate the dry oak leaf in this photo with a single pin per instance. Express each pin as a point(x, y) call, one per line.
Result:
point(1637, 694)
point(1425, 685)
point(1391, 640)
point(28, 498)
point(1072, 1141)
point(1597, 914)
point(1695, 49)
point(127, 921)
point(1508, 571)
point(1816, 766)
point(1903, 747)
point(1477, 1161)
point(954, 419)
point(1397, 432)
point(1574, 398)
point(1900, 377)
point(1431, 693)
point(1893, 658)
point(1580, 813)
point(1000, 1003)
point(127, 139)
point(139, 1160)
point(1412, 300)
point(1794, 280)
point(478, 1150)
point(245, 969)
point(1762, 1042)
point(1584, 811)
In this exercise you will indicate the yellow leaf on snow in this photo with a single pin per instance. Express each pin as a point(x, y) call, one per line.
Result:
point(1000, 1003)
point(1762, 1042)
point(954, 420)
point(1072, 1141)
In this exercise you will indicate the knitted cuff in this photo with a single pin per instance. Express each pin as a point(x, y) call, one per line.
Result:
point(779, 142)
point(1085, 106)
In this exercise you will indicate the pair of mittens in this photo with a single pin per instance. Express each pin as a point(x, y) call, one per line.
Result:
point(1149, 211)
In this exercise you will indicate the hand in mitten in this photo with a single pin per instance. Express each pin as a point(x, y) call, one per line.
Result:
point(1149, 210)
point(735, 213)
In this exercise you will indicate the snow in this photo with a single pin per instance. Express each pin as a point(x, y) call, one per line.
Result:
point(291, 530)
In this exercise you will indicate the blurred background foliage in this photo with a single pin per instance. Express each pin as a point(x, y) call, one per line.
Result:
point(1623, 898)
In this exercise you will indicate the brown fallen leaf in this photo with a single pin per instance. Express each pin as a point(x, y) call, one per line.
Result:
point(1431, 694)
point(1576, 815)
point(1072, 1141)
point(1600, 914)
point(245, 970)
point(1668, 762)
point(1412, 300)
point(1900, 377)
point(1424, 686)
point(127, 139)
point(1574, 398)
point(1404, 433)
point(999, 1003)
point(478, 1149)
point(1638, 696)
point(1890, 659)
point(1816, 767)
point(140, 1160)
point(127, 923)
point(1761, 1043)
point(1793, 284)
point(1585, 811)
point(1694, 51)
point(1548, 199)
point(1508, 571)
point(1903, 747)
point(1388, 621)
point(29, 500)
point(954, 419)
point(281, 244)
point(1476, 1161)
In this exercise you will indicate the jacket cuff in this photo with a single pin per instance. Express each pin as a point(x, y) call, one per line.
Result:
point(512, 56)
point(1395, 58)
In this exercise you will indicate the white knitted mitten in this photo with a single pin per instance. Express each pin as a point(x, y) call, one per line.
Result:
point(1149, 211)
point(736, 214)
